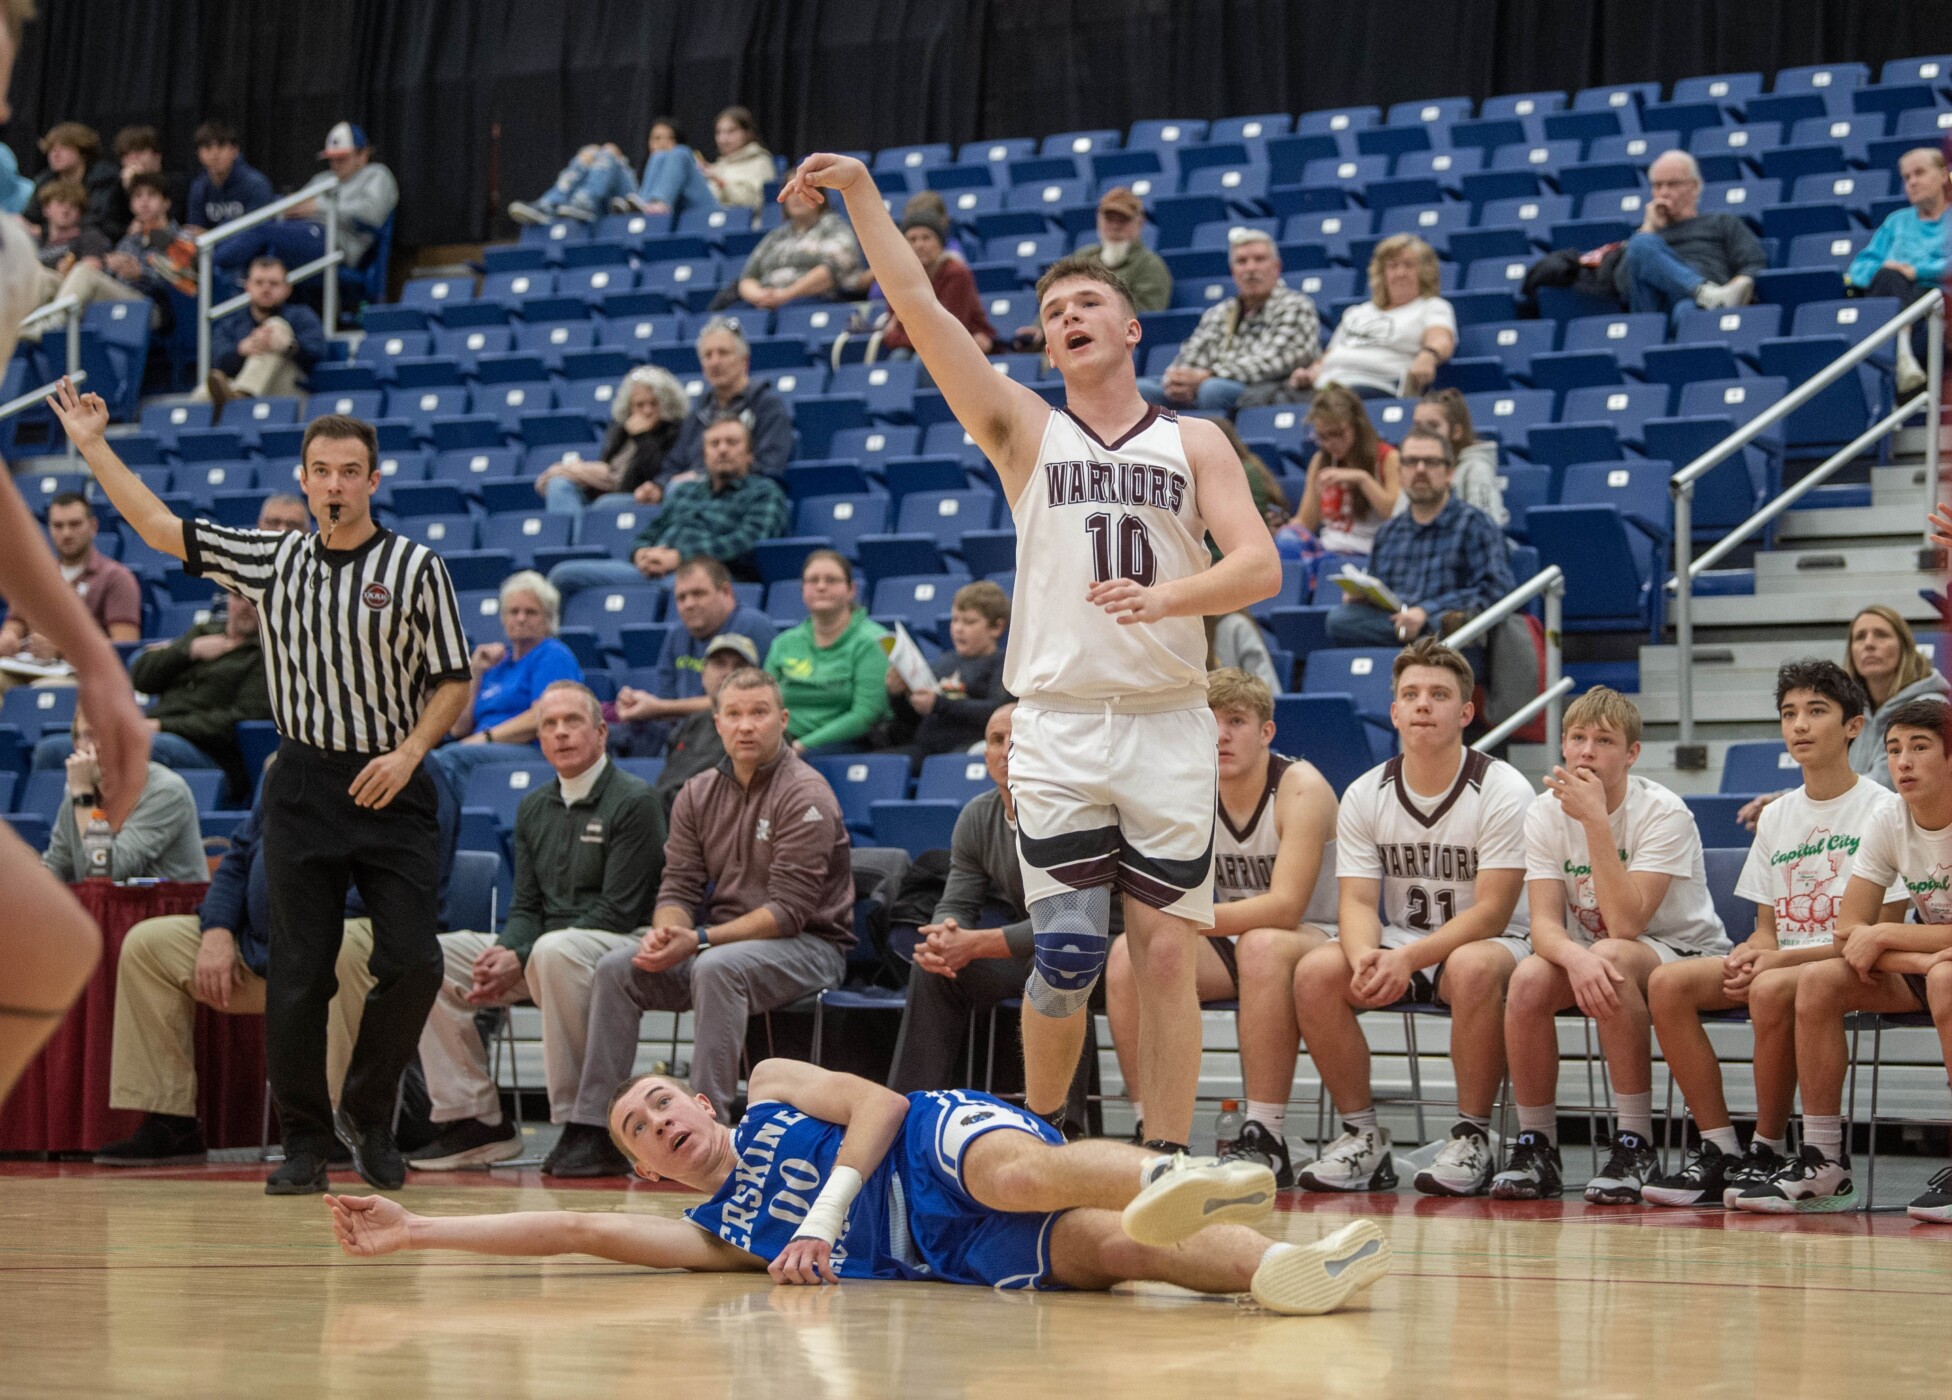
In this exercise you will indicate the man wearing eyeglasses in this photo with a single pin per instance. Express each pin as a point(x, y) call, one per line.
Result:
point(725, 363)
point(1440, 556)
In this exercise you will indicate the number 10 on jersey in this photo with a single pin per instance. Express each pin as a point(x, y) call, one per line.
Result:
point(1132, 542)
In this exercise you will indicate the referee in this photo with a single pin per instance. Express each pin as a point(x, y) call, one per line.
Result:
point(368, 667)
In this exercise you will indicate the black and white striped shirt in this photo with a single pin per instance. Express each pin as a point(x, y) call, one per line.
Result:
point(355, 640)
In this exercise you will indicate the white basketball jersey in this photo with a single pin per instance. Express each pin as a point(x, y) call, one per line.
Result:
point(1243, 856)
point(1093, 511)
point(1427, 851)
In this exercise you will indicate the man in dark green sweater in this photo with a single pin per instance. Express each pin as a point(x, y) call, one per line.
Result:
point(589, 852)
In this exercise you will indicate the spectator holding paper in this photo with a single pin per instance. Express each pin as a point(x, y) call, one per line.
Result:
point(943, 709)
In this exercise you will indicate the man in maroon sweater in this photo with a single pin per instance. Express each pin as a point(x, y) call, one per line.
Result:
point(763, 833)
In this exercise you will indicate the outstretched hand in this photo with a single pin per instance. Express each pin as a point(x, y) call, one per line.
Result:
point(822, 170)
point(369, 1226)
point(84, 417)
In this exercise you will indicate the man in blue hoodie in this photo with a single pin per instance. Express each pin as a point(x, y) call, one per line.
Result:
point(227, 187)
point(219, 956)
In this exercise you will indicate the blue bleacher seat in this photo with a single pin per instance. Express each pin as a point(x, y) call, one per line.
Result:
point(1522, 105)
point(1511, 414)
point(1523, 487)
point(901, 553)
point(1639, 148)
point(952, 777)
point(988, 553)
point(1637, 489)
point(612, 522)
point(913, 826)
point(1756, 766)
point(1714, 815)
point(1721, 87)
point(842, 519)
point(500, 788)
point(440, 533)
point(917, 600)
point(1360, 672)
point(1607, 563)
point(607, 610)
point(522, 535)
point(1835, 249)
point(860, 780)
point(1326, 730)
point(1821, 77)
point(1512, 343)
point(481, 613)
point(946, 514)
point(34, 710)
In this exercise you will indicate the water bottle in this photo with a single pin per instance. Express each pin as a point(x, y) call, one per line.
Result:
point(1226, 1128)
point(97, 846)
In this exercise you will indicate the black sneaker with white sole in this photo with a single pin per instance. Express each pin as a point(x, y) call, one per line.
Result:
point(1533, 1173)
point(1629, 1167)
point(302, 1173)
point(1257, 1144)
point(1700, 1182)
point(375, 1155)
point(469, 1143)
point(1757, 1166)
point(1934, 1207)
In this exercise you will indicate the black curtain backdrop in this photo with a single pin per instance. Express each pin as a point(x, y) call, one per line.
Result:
point(477, 101)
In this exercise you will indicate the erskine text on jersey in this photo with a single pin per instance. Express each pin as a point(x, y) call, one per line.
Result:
point(1113, 483)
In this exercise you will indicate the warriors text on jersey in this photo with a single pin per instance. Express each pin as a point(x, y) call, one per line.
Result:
point(1093, 511)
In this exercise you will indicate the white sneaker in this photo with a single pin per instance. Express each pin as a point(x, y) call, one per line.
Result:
point(1715, 295)
point(525, 213)
point(1463, 1168)
point(1187, 1194)
point(1359, 1160)
point(1807, 1183)
point(1910, 374)
point(1305, 1279)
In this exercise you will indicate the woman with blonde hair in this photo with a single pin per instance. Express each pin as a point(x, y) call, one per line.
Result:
point(1395, 342)
point(1353, 485)
point(645, 414)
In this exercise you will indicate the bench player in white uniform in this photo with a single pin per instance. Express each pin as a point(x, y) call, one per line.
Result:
point(830, 1177)
point(1617, 888)
point(1806, 845)
point(1112, 762)
point(1436, 834)
point(1274, 899)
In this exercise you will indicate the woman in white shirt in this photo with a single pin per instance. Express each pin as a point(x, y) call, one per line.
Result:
point(1394, 343)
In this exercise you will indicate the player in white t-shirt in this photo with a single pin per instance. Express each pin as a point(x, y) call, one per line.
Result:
point(1274, 899)
point(1112, 764)
point(1437, 837)
point(1806, 845)
point(1617, 887)
point(1884, 965)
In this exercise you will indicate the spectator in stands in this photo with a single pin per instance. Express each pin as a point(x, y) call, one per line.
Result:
point(954, 284)
point(1682, 255)
point(217, 957)
point(755, 910)
point(1395, 342)
point(744, 167)
point(74, 152)
point(808, 257)
point(368, 195)
point(124, 273)
point(284, 511)
point(1269, 499)
point(1352, 485)
point(507, 682)
point(1475, 479)
point(113, 596)
point(725, 361)
point(227, 187)
point(1440, 557)
point(65, 240)
point(969, 680)
point(596, 176)
point(1882, 656)
point(1120, 247)
point(1234, 641)
point(589, 850)
point(646, 414)
point(701, 594)
point(831, 668)
point(674, 178)
point(976, 950)
point(1252, 341)
point(205, 683)
point(160, 840)
point(264, 349)
point(138, 150)
point(693, 744)
point(1906, 257)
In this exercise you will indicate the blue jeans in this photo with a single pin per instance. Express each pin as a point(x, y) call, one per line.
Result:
point(458, 761)
point(563, 497)
point(293, 242)
point(672, 177)
point(589, 188)
point(1214, 394)
point(576, 575)
point(1657, 280)
point(170, 750)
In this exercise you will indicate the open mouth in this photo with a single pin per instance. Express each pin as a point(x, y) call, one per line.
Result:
point(678, 1142)
point(1077, 340)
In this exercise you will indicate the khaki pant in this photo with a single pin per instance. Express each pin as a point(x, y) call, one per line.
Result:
point(265, 376)
point(153, 1067)
point(562, 970)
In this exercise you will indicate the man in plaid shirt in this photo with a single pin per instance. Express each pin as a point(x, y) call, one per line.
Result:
point(1258, 337)
point(1439, 556)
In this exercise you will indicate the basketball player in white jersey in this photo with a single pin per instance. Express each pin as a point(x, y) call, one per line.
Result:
point(1806, 845)
point(1437, 836)
point(1274, 899)
point(1112, 763)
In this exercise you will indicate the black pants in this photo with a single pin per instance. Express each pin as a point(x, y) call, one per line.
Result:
point(316, 841)
point(1888, 282)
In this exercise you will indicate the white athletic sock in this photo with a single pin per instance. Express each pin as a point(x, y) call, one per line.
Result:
point(1825, 1132)
point(1636, 1114)
point(1723, 1138)
point(1542, 1119)
point(1362, 1120)
point(1483, 1125)
point(1272, 1116)
point(1138, 1111)
point(1779, 1146)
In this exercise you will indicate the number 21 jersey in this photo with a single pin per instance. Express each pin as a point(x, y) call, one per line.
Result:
point(1092, 511)
point(1427, 851)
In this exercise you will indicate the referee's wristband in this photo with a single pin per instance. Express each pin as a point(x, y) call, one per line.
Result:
point(828, 1215)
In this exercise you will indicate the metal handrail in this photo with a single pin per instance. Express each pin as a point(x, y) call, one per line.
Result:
point(66, 309)
point(325, 189)
point(1931, 309)
point(1550, 581)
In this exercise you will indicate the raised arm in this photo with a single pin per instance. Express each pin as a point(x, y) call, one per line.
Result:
point(1004, 418)
point(84, 417)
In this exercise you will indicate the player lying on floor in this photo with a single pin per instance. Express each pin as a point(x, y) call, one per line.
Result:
point(830, 1176)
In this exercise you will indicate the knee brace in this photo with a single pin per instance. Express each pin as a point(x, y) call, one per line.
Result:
point(1071, 936)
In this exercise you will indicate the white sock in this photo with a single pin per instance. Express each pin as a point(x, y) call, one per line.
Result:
point(1779, 1146)
point(1138, 1111)
point(1542, 1119)
point(1636, 1114)
point(1362, 1120)
point(1825, 1132)
point(1483, 1125)
point(1272, 1116)
point(1723, 1138)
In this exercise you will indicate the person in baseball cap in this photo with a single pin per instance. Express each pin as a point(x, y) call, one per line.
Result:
point(346, 139)
point(739, 646)
point(1120, 247)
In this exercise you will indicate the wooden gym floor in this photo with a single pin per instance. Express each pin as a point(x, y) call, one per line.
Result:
point(194, 1283)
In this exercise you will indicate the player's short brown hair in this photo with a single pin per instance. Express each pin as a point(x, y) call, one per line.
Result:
point(1231, 688)
point(1428, 651)
point(1603, 705)
point(984, 596)
point(1091, 270)
point(1928, 713)
point(338, 425)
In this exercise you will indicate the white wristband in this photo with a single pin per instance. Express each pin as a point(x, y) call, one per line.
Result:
point(828, 1217)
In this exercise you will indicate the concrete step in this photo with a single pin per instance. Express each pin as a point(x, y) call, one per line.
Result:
point(1816, 599)
point(1817, 567)
point(1893, 523)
